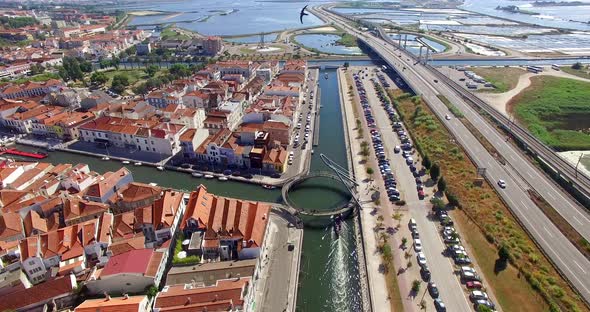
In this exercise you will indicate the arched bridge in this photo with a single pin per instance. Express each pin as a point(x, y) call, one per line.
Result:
point(340, 174)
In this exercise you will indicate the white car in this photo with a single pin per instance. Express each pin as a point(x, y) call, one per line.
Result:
point(417, 245)
point(465, 269)
point(447, 117)
point(502, 183)
point(421, 258)
point(478, 295)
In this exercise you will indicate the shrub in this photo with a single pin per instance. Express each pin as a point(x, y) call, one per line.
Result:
point(400, 202)
point(426, 162)
point(416, 286)
point(577, 66)
point(504, 252)
point(442, 184)
point(452, 198)
point(370, 171)
point(434, 172)
point(437, 203)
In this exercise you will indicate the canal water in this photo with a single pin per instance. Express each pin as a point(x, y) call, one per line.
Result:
point(329, 277)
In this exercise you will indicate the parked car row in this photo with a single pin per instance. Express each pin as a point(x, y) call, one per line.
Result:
point(389, 180)
point(457, 252)
point(424, 270)
point(406, 146)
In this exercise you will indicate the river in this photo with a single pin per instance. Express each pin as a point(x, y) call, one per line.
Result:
point(329, 277)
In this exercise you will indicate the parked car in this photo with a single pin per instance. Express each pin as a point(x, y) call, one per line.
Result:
point(417, 245)
point(502, 183)
point(425, 273)
point(421, 258)
point(439, 305)
point(474, 285)
point(433, 290)
point(478, 295)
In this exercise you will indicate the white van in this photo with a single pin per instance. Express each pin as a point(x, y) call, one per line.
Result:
point(417, 245)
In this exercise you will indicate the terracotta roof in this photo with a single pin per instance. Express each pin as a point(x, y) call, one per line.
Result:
point(224, 296)
point(8, 197)
point(75, 207)
point(227, 217)
point(127, 244)
point(33, 221)
point(10, 225)
point(188, 135)
point(119, 304)
point(39, 293)
point(136, 191)
point(110, 180)
point(123, 225)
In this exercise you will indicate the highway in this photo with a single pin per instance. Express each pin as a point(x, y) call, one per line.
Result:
point(573, 265)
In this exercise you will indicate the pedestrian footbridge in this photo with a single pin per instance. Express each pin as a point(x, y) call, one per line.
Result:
point(340, 174)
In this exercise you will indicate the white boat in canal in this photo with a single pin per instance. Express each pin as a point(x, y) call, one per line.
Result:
point(197, 174)
point(153, 184)
point(160, 168)
point(126, 162)
point(208, 176)
point(106, 158)
point(137, 164)
point(222, 178)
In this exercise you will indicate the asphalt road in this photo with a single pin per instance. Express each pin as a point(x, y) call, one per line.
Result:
point(441, 267)
point(301, 156)
point(558, 248)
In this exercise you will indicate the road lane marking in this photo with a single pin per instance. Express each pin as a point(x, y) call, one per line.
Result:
point(551, 195)
point(579, 266)
point(546, 230)
point(524, 205)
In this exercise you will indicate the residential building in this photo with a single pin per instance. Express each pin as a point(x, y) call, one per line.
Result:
point(226, 295)
point(56, 293)
point(105, 189)
point(115, 304)
point(231, 228)
point(129, 272)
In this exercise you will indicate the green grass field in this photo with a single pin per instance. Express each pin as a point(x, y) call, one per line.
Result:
point(557, 111)
point(133, 74)
point(583, 73)
point(503, 78)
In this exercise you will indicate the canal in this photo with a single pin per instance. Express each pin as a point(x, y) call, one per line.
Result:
point(329, 277)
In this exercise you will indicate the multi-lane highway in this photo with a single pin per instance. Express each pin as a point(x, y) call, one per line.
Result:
point(574, 266)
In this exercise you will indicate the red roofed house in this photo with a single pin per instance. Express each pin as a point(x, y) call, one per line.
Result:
point(226, 295)
point(129, 272)
point(159, 221)
point(42, 297)
point(11, 227)
point(231, 228)
point(120, 304)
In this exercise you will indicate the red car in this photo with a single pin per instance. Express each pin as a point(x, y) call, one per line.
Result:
point(421, 194)
point(474, 285)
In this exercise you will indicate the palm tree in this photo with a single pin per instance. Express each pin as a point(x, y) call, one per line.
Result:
point(398, 217)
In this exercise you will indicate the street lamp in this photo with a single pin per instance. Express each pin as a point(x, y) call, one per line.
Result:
point(578, 163)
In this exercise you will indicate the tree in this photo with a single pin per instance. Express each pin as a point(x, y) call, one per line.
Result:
point(397, 217)
point(442, 184)
point(346, 64)
point(141, 89)
point(426, 162)
point(577, 66)
point(98, 78)
point(151, 70)
point(120, 82)
point(85, 66)
point(404, 242)
point(37, 69)
point(179, 70)
point(483, 308)
point(416, 286)
point(434, 172)
point(370, 171)
point(504, 253)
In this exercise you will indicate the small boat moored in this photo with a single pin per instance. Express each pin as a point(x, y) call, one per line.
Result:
point(137, 164)
point(160, 168)
point(269, 187)
point(208, 176)
point(106, 158)
point(222, 179)
point(126, 162)
point(197, 174)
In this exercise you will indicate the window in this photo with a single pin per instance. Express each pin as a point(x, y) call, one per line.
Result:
point(154, 149)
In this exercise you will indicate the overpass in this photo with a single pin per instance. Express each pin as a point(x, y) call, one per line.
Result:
point(519, 174)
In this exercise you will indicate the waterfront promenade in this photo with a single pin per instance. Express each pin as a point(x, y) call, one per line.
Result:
point(377, 283)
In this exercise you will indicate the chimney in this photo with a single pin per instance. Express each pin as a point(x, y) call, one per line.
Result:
point(188, 301)
point(126, 296)
point(106, 296)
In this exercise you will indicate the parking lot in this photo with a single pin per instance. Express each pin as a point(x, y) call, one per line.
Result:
point(436, 241)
